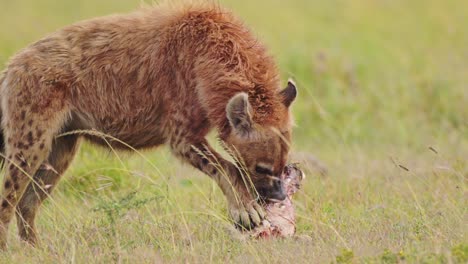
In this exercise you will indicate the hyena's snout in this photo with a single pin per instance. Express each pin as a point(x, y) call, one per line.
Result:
point(271, 188)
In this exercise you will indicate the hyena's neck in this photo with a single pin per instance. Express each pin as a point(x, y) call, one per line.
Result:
point(226, 59)
point(214, 101)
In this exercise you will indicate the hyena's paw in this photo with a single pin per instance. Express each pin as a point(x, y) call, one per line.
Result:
point(247, 215)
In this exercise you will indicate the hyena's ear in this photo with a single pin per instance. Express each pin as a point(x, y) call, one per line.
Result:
point(289, 93)
point(238, 111)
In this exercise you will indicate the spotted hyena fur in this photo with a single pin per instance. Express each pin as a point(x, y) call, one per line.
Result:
point(162, 75)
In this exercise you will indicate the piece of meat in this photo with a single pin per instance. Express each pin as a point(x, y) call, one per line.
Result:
point(280, 219)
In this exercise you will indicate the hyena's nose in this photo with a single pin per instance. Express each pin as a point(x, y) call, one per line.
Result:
point(277, 191)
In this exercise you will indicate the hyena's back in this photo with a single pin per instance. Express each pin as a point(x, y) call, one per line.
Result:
point(128, 76)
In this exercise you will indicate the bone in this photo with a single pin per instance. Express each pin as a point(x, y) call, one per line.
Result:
point(280, 220)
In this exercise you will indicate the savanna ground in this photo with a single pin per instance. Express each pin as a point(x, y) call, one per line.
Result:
point(383, 103)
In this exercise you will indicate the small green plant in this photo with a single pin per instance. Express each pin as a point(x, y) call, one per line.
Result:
point(389, 257)
point(460, 253)
point(115, 209)
point(345, 256)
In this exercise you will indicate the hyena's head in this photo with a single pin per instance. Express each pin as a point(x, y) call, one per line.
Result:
point(264, 149)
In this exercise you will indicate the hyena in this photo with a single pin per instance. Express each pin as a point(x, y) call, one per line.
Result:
point(159, 75)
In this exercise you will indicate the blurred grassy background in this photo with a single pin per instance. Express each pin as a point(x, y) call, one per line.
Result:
point(380, 82)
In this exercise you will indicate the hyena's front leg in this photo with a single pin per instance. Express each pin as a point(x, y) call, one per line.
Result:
point(243, 207)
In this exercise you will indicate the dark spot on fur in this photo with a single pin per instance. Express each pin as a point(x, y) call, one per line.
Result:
point(7, 184)
point(5, 204)
point(213, 171)
point(35, 158)
point(204, 161)
point(14, 176)
point(16, 186)
point(30, 137)
point(41, 146)
point(23, 115)
point(39, 133)
point(21, 145)
point(30, 122)
point(34, 108)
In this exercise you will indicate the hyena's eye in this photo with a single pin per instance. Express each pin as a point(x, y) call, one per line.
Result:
point(260, 169)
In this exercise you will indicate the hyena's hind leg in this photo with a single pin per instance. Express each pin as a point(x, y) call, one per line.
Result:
point(45, 180)
point(31, 120)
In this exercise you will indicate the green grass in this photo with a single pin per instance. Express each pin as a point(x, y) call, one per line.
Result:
point(380, 82)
